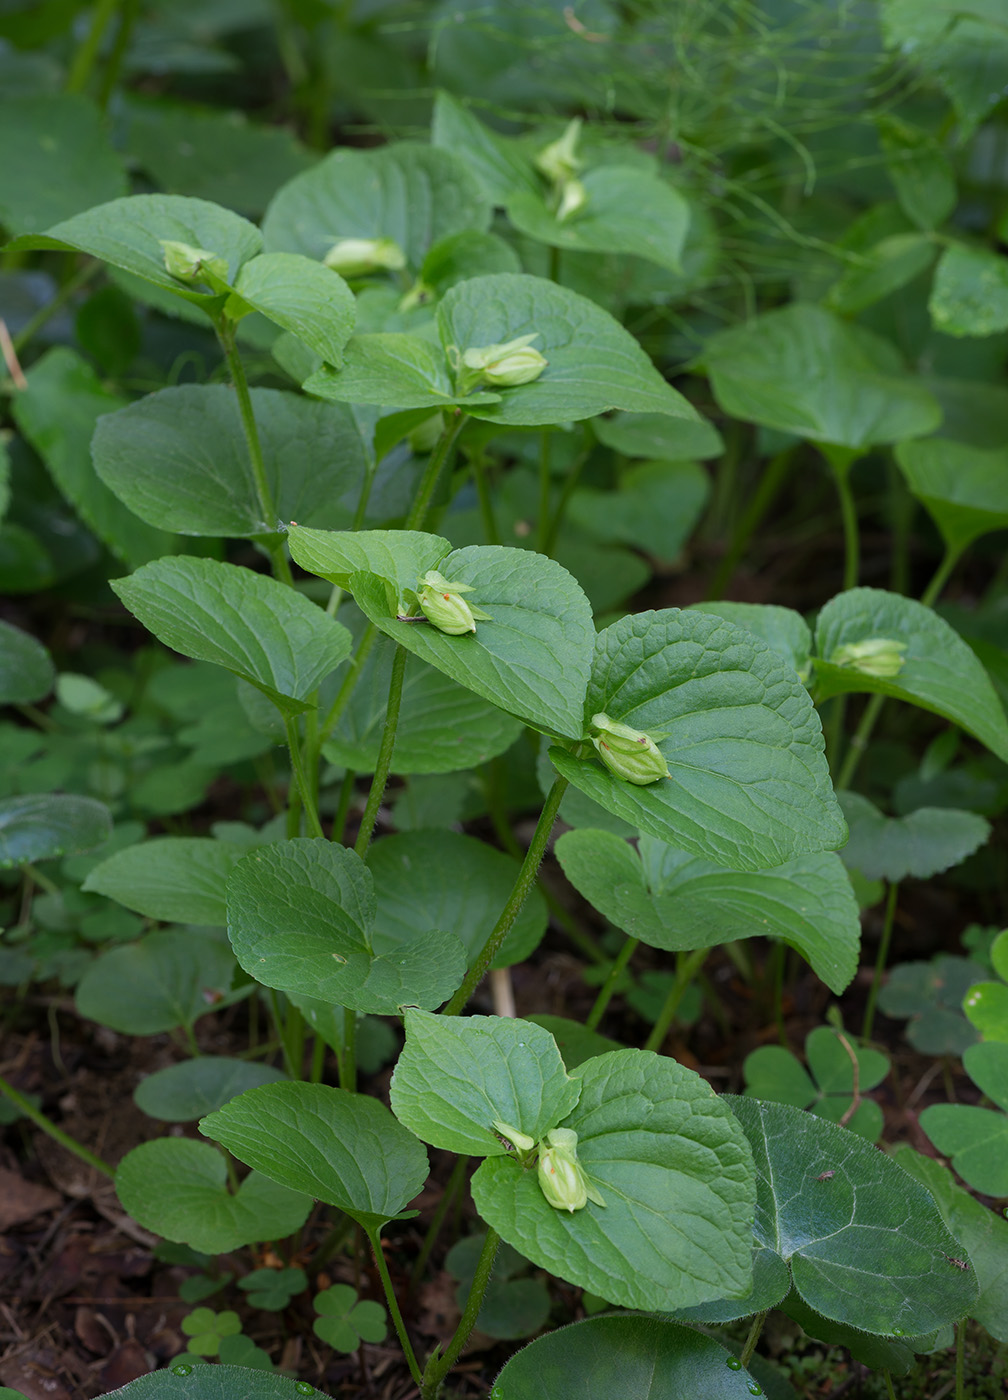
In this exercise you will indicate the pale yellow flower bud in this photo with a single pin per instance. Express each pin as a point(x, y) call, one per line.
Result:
point(191, 264)
point(631, 754)
point(521, 1141)
point(881, 657)
point(502, 366)
point(558, 161)
point(444, 607)
point(573, 199)
point(356, 257)
point(562, 1179)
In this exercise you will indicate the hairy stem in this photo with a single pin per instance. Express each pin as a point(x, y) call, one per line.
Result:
point(57, 1134)
point(381, 772)
point(432, 473)
point(393, 1307)
point(439, 1366)
point(301, 777)
point(516, 899)
point(609, 986)
point(685, 969)
point(880, 961)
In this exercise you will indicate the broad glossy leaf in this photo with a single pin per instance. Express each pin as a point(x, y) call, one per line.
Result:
point(785, 631)
point(939, 672)
point(210, 153)
point(463, 255)
point(58, 414)
point(127, 233)
point(675, 901)
point(406, 191)
point(183, 1092)
point(656, 436)
point(300, 916)
point(393, 370)
point(401, 556)
point(425, 878)
point(881, 270)
point(178, 1188)
point(457, 1074)
point(175, 878)
point(749, 786)
point(964, 489)
point(443, 727)
point(970, 291)
point(264, 632)
point(920, 171)
point(983, 1232)
point(157, 984)
point(976, 1139)
point(184, 1381)
point(532, 658)
point(26, 668)
point(575, 1041)
point(635, 1358)
point(342, 1148)
point(499, 164)
point(58, 160)
point(650, 1133)
point(179, 457)
point(770, 1284)
point(866, 1246)
point(304, 297)
point(594, 364)
point(921, 844)
point(626, 211)
point(960, 43)
point(40, 826)
point(654, 508)
point(803, 370)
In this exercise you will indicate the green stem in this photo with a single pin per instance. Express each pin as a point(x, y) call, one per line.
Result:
point(880, 961)
point(545, 482)
point(393, 1306)
point(437, 1219)
point(65, 293)
point(439, 1366)
point(859, 741)
point(317, 1060)
point(960, 1359)
point(281, 1030)
point(753, 1337)
point(367, 641)
point(432, 472)
point(609, 986)
point(950, 559)
point(684, 975)
point(294, 1033)
point(128, 18)
point(381, 772)
point(485, 499)
point(348, 1058)
point(889, 1385)
point(848, 513)
point(771, 480)
point(87, 51)
point(226, 335)
point(516, 899)
point(343, 806)
point(57, 1134)
point(301, 778)
point(570, 483)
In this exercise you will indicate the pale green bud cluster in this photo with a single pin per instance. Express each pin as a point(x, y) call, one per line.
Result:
point(558, 161)
point(630, 754)
point(881, 657)
point(560, 164)
point(502, 366)
point(356, 257)
point(521, 1141)
point(443, 606)
point(191, 264)
point(562, 1179)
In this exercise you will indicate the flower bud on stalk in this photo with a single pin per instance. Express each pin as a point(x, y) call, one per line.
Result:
point(356, 257)
point(881, 657)
point(562, 1178)
point(443, 606)
point(558, 161)
point(502, 366)
point(521, 1141)
point(631, 754)
point(191, 264)
point(573, 198)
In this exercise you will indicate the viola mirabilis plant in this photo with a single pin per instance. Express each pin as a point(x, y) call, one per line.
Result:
point(410, 564)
